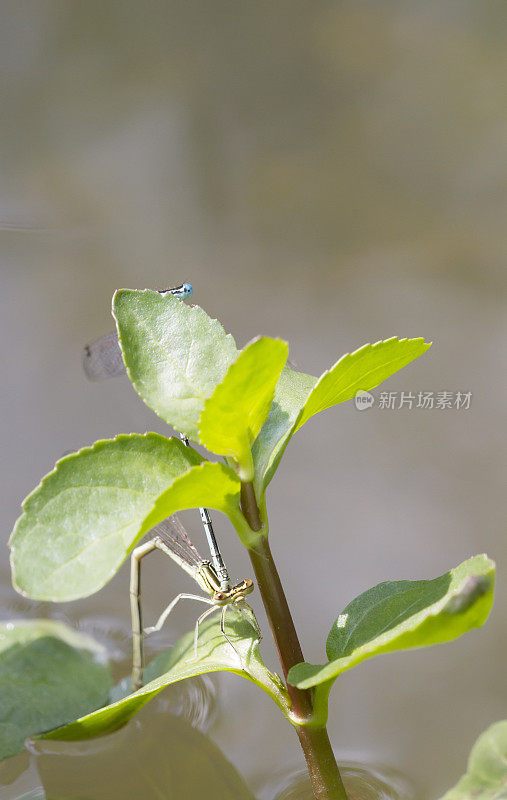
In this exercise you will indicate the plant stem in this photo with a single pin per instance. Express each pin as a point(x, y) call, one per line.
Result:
point(324, 774)
point(281, 622)
point(322, 767)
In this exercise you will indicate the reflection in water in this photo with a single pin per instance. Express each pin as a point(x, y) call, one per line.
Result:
point(109, 631)
point(159, 757)
point(363, 782)
point(13, 607)
point(194, 699)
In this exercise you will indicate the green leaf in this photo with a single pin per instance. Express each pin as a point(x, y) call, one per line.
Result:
point(486, 775)
point(49, 675)
point(362, 370)
point(397, 615)
point(81, 522)
point(175, 354)
point(208, 484)
point(299, 396)
point(213, 654)
point(234, 414)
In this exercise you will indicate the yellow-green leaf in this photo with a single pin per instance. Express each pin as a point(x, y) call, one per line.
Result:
point(362, 370)
point(299, 396)
point(234, 414)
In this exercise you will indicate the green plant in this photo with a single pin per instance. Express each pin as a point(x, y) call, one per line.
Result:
point(486, 775)
point(83, 520)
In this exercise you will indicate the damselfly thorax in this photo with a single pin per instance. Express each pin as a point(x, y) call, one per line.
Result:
point(172, 539)
point(209, 582)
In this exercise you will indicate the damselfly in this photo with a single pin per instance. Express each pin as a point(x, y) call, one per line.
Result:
point(172, 539)
point(103, 359)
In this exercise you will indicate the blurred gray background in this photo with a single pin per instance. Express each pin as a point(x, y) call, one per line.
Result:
point(332, 173)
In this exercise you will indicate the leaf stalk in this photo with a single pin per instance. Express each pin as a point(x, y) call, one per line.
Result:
point(249, 506)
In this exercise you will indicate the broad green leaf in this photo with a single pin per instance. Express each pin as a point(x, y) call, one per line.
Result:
point(81, 522)
point(397, 615)
point(299, 397)
point(234, 414)
point(486, 775)
point(49, 675)
point(175, 354)
point(213, 654)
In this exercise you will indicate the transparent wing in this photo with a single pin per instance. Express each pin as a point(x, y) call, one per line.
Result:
point(103, 359)
point(176, 539)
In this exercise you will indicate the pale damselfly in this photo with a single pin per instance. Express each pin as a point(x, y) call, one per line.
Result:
point(172, 539)
point(103, 359)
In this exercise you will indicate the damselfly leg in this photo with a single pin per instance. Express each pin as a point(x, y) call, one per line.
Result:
point(173, 540)
point(182, 596)
point(136, 612)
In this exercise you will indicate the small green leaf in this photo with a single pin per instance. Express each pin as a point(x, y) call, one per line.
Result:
point(486, 775)
point(299, 396)
point(234, 414)
point(397, 615)
point(49, 675)
point(81, 522)
point(362, 370)
point(209, 484)
point(175, 354)
point(213, 654)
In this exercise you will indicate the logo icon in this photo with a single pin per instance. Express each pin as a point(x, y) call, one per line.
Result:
point(363, 400)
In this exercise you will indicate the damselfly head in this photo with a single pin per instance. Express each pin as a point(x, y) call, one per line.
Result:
point(237, 592)
point(246, 586)
point(182, 292)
